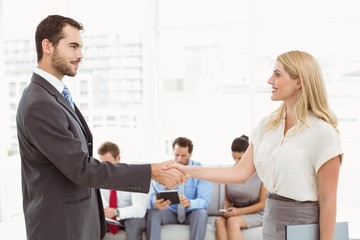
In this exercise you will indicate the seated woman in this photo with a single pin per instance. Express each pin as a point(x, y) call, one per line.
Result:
point(244, 203)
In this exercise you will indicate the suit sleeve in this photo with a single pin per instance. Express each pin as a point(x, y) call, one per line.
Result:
point(62, 144)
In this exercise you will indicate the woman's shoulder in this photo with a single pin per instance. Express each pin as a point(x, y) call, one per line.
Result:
point(260, 129)
point(321, 126)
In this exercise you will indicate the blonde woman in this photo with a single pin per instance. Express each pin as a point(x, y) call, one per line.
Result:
point(295, 151)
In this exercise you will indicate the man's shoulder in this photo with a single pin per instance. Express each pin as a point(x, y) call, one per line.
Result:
point(194, 163)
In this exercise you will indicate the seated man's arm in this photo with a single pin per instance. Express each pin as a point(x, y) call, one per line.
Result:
point(155, 187)
point(202, 199)
point(138, 207)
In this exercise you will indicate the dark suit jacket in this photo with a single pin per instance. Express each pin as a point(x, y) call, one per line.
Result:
point(60, 178)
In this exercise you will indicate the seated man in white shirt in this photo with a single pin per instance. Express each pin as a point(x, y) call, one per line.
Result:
point(127, 208)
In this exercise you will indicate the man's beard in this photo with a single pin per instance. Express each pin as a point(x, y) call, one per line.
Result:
point(61, 65)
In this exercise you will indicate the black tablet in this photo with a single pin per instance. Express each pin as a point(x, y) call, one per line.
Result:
point(172, 195)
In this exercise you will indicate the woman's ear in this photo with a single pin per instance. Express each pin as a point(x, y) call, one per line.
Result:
point(298, 84)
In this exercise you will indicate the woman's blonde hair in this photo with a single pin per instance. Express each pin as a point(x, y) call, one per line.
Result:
point(313, 97)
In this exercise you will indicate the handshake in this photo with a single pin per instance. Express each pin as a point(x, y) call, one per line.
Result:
point(169, 173)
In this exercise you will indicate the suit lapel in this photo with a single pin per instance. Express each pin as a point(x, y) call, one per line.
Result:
point(59, 98)
point(86, 129)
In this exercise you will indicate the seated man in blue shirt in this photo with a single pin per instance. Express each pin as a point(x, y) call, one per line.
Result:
point(193, 201)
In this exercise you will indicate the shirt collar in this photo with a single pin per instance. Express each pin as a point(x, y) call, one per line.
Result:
point(311, 118)
point(58, 84)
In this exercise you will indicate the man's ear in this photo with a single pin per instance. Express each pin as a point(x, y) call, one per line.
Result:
point(117, 159)
point(47, 46)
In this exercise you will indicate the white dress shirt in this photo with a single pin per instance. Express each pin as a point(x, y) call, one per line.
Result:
point(130, 205)
point(58, 84)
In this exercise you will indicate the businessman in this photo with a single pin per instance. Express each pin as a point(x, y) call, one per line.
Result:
point(60, 177)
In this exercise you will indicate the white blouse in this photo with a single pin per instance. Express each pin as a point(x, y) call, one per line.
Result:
point(288, 165)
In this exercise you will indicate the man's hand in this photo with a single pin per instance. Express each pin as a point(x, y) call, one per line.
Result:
point(184, 201)
point(161, 203)
point(169, 178)
point(174, 165)
point(109, 212)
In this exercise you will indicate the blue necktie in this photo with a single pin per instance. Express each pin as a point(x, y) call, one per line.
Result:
point(67, 95)
point(181, 208)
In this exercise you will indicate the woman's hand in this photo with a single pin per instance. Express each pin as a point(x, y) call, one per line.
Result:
point(232, 211)
point(170, 177)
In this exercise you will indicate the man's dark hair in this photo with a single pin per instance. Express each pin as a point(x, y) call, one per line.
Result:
point(51, 28)
point(240, 144)
point(183, 142)
point(109, 147)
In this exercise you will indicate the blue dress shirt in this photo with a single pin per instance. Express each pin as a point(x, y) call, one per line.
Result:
point(196, 191)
